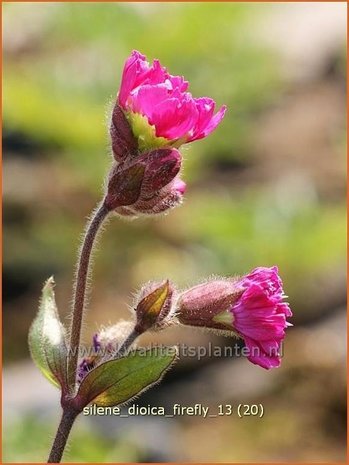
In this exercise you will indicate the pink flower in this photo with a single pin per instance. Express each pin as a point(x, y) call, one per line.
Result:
point(251, 307)
point(259, 316)
point(151, 92)
point(153, 115)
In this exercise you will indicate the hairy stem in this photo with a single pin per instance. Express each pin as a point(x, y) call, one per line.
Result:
point(80, 290)
point(60, 441)
point(127, 343)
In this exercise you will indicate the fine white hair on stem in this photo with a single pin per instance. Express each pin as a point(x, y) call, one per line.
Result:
point(94, 250)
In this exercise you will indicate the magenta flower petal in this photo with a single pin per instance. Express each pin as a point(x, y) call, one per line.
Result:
point(208, 122)
point(261, 356)
point(163, 99)
point(251, 307)
point(179, 83)
point(135, 71)
point(157, 74)
point(179, 186)
point(147, 97)
point(259, 316)
point(173, 118)
point(205, 107)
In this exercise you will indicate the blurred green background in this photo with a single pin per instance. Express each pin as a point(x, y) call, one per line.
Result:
point(267, 187)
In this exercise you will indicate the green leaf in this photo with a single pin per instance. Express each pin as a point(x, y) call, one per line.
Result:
point(47, 339)
point(117, 381)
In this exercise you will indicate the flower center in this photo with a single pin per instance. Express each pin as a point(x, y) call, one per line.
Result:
point(145, 132)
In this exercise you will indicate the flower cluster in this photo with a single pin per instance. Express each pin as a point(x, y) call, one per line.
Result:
point(251, 307)
point(153, 116)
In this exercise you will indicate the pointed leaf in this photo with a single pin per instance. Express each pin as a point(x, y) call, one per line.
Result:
point(47, 338)
point(117, 381)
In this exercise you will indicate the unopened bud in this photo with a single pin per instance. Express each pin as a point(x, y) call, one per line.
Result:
point(124, 187)
point(154, 307)
point(105, 343)
point(110, 338)
point(168, 198)
point(146, 184)
point(162, 166)
point(86, 365)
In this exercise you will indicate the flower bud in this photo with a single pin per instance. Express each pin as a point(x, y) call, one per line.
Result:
point(105, 344)
point(251, 307)
point(154, 306)
point(111, 338)
point(124, 186)
point(147, 184)
point(86, 365)
point(162, 166)
point(164, 200)
point(152, 115)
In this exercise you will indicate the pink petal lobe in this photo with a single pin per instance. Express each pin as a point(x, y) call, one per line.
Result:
point(163, 98)
point(135, 70)
point(210, 125)
point(260, 315)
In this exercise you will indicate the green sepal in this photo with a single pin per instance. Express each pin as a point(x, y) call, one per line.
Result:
point(224, 318)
